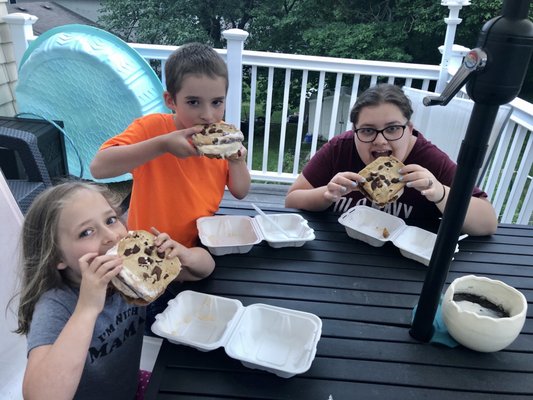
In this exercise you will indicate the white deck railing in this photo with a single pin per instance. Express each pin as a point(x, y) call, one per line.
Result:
point(324, 88)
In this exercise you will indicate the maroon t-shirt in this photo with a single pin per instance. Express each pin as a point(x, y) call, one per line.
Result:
point(340, 154)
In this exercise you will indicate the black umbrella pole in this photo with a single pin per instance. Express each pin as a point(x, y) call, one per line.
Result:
point(469, 162)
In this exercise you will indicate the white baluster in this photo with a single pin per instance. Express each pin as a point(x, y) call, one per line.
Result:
point(235, 46)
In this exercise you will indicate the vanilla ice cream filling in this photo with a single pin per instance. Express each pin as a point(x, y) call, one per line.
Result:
point(130, 283)
point(223, 150)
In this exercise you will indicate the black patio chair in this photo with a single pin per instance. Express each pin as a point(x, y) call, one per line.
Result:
point(25, 145)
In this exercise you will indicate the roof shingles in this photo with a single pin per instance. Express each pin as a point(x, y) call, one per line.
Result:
point(50, 15)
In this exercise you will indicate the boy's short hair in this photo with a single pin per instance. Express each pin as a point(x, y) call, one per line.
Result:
point(193, 58)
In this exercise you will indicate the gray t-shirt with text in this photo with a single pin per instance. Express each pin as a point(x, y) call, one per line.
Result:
point(112, 364)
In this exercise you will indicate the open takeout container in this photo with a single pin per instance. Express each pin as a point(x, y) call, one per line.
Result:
point(376, 227)
point(261, 336)
point(226, 234)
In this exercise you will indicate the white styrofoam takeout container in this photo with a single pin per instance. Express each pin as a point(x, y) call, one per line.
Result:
point(226, 234)
point(261, 336)
point(368, 224)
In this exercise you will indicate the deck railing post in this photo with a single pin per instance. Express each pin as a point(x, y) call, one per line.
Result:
point(21, 27)
point(455, 59)
point(235, 46)
point(451, 25)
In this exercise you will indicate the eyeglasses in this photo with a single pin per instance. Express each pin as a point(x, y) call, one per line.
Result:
point(391, 133)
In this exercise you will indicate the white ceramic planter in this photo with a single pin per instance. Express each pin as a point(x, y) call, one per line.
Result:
point(477, 326)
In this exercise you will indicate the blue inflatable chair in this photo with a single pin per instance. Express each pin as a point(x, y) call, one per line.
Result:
point(92, 81)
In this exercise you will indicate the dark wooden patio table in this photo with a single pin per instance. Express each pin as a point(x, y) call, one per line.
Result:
point(365, 298)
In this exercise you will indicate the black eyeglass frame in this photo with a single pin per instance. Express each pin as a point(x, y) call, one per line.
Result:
point(382, 131)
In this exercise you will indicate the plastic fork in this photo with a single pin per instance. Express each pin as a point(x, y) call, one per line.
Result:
point(273, 222)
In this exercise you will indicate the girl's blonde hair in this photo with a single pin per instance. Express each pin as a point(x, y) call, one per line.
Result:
point(40, 249)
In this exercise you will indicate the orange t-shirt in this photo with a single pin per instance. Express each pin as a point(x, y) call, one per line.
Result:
point(168, 192)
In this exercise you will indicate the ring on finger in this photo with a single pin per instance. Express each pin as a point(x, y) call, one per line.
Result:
point(430, 182)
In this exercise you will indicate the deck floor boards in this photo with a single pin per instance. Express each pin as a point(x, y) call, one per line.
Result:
point(264, 195)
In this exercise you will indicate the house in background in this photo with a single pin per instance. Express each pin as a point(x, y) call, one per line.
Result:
point(50, 15)
point(339, 124)
point(55, 13)
point(8, 67)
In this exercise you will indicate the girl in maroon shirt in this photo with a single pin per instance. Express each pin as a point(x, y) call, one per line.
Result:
point(382, 127)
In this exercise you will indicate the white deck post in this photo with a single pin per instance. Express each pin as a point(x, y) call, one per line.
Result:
point(235, 46)
point(452, 21)
point(455, 60)
point(21, 26)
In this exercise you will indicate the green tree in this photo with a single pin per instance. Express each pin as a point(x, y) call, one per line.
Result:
point(391, 30)
point(387, 30)
point(172, 22)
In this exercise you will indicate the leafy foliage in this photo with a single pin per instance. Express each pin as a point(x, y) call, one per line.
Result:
point(386, 30)
point(370, 41)
point(151, 21)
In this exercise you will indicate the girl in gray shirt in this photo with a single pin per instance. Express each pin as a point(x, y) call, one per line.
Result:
point(84, 339)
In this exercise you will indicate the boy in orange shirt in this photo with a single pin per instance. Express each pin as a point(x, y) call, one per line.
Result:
point(172, 185)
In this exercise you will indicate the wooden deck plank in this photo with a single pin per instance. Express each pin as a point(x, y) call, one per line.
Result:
point(264, 195)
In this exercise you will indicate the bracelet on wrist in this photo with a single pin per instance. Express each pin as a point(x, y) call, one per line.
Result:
point(443, 196)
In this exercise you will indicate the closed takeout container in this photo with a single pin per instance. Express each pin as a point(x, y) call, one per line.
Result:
point(376, 227)
point(226, 234)
point(261, 336)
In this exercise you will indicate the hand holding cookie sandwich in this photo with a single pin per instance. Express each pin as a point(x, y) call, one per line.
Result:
point(151, 261)
point(149, 264)
point(220, 140)
point(380, 182)
point(342, 184)
point(419, 178)
point(383, 182)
